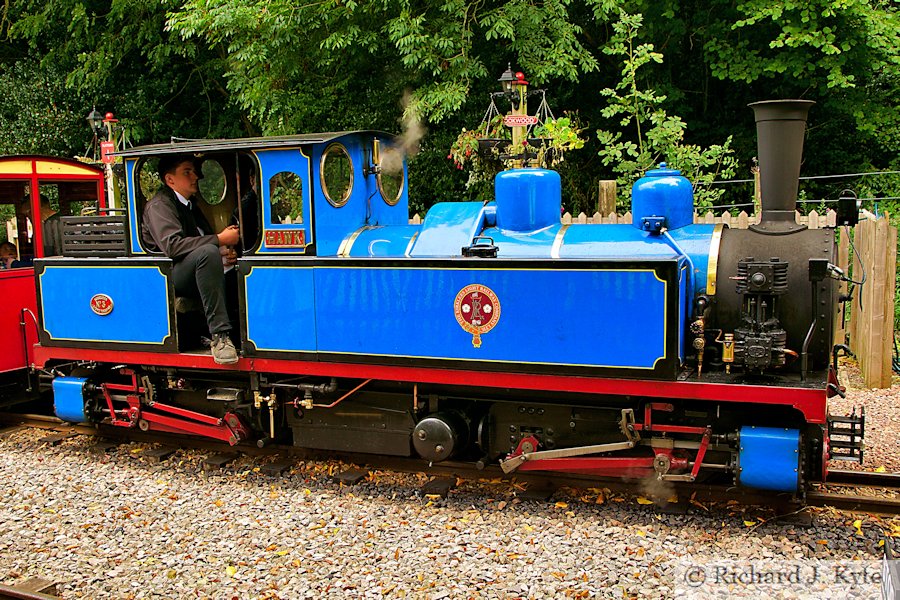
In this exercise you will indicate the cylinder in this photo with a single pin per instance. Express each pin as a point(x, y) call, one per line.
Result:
point(527, 199)
point(780, 127)
point(440, 436)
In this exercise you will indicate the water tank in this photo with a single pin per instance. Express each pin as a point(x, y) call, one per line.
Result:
point(527, 199)
point(663, 192)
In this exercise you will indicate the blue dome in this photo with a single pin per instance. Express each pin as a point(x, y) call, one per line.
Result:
point(665, 193)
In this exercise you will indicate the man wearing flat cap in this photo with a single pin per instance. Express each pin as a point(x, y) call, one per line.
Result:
point(172, 224)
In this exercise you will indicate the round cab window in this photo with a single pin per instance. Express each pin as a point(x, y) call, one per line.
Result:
point(390, 185)
point(336, 174)
point(212, 182)
point(147, 178)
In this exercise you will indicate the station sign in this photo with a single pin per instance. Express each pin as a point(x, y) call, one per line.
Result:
point(105, 149)
point(519, 120)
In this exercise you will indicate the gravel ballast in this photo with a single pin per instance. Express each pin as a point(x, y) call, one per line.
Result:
point(119, 526)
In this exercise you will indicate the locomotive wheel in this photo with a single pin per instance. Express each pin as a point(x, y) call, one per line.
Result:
point(143, 425)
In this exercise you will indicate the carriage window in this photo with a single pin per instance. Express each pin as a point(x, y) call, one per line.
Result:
point(212, 182)
point(336, 173)
point(390, 185)
point(286, 197)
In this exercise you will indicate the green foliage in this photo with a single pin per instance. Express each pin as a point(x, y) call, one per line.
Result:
point(36, 112)
point(287, 63)
point(482, 163)
point(286, 196)
point(657, 135)
point(206, 68)
point(825, 41)
point(117, 56)
point(556, 137)
point(486, 150)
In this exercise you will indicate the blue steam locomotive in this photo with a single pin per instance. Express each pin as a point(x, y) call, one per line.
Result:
point(489, 333)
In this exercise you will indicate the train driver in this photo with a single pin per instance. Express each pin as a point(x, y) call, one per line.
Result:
point(173, 224)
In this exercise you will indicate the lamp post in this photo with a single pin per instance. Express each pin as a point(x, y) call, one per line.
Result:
point(515, 88)
point(506, 81)
point(95, 122)
point(105, 131)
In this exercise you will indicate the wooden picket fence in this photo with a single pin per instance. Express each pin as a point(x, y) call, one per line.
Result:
point(741, 221)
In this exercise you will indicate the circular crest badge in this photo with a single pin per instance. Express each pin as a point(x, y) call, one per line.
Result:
point(477, 310)
point(101, 304)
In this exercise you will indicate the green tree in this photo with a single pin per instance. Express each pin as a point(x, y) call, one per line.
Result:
point(117, 55)
point(288, 65)
point(656, 134)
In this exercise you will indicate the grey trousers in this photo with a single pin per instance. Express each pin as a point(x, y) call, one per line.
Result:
point(200, 275)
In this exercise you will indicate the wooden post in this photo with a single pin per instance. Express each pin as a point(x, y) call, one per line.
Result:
point(872, 313)
point(607, 203)
point(757, 190)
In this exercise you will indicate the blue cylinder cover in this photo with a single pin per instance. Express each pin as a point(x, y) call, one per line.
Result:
point(770, 458)
point(527, 199)
point(665, 193)
point(69, 399)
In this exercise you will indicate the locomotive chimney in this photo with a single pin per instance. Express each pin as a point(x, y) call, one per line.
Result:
point(780, 127)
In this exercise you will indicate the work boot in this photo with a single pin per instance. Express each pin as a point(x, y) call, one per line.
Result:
point(223, 350)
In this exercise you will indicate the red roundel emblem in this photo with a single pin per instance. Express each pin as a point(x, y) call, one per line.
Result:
point(101, 304)
point(477, 310)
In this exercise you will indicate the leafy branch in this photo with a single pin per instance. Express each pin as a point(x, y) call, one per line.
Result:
point(658, 135)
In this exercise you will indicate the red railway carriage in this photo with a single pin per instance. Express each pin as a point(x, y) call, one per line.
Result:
point(27, 182)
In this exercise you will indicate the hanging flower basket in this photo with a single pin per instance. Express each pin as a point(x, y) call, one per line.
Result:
point(488, 144)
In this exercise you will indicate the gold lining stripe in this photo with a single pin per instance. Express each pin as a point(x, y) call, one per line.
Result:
point(412, 242)
point(558, 240)
point(713, 263)
point(444, 358)
point(131, 203)
point(347, 244)
point(119, 267)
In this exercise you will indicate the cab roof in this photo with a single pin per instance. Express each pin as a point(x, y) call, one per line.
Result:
point(192, 146)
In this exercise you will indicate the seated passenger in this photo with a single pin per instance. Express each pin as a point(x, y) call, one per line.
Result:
point(8, 254)
point(51, 227)
point(249, 204)
point(173, 224)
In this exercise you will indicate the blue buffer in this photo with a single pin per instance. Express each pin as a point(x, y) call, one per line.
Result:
point(68, 399)
point(770, 458)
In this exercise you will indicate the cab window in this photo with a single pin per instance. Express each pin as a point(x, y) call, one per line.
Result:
point(286, 198)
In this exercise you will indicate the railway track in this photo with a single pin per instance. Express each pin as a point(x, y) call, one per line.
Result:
point(539, 484)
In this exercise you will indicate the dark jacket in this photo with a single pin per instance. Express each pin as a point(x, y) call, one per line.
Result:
point(168, 226)
point(250, 226)
point(51, 230)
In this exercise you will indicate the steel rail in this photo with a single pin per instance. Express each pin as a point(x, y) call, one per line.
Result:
point(854, 503)
point(863, 479)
